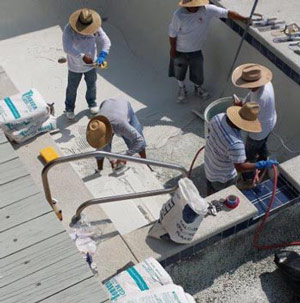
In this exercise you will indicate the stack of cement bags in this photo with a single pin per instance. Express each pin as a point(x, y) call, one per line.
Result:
point(24, 115)
point(146, 282)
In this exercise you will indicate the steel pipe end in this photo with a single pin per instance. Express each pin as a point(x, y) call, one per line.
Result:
point(75, 219)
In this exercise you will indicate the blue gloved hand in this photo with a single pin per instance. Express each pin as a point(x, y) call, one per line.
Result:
point(266, 164)
point(101, 58)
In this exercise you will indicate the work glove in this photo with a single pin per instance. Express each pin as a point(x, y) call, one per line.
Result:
point(102, 56)
point(266, 164)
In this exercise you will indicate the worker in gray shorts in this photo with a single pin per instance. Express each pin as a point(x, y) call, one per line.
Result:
point(187, 34)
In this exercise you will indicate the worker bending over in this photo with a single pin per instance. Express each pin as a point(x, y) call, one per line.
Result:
point(225, 151)
point(116, 117)
point(187, 34)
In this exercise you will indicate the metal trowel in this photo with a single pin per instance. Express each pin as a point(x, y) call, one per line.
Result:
point(120, 169)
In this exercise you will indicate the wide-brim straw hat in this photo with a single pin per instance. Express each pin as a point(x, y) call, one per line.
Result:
point(85, 21)
point(251, 75)
point(193, 3)
point(99, 132)
point(245, 117)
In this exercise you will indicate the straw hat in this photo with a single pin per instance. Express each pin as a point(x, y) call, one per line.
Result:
point(251, 75)
point(245, 117)
point(193, 3)
point(85, 21)
point(99, 132)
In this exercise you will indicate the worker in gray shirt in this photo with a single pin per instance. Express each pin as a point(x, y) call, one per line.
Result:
point(116, 117)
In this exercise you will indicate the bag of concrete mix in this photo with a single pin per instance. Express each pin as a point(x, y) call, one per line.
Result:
point(146, 275)
point(23, 109)
point(162, 294)
point(31, 130)
point(181, 215)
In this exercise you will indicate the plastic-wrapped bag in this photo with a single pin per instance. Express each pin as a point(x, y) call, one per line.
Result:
point(181, 215)
point(288, 263)
point(162, 294)
point(146, 275)
point(20, 110)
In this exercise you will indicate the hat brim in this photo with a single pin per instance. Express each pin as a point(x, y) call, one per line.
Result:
point(266, 76)
point(237, 120)
point(85, 29)
point(194, 3)
point(101, 141)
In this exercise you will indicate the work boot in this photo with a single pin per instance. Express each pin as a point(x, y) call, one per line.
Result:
point(201, 92)
point(182, 93)
point(70, 115)
point(94, 110)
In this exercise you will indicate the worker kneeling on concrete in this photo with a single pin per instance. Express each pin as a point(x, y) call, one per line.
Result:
point(225, 151)
point(116, 118)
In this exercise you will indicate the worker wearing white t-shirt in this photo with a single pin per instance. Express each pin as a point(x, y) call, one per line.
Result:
point(187, 34)
point(258, 78)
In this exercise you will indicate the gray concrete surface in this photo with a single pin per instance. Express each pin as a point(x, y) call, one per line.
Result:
point(137, 70)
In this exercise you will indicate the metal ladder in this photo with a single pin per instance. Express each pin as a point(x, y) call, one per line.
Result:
point(115, 198)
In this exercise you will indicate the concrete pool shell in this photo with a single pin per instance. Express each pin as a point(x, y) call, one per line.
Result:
point(137, 70)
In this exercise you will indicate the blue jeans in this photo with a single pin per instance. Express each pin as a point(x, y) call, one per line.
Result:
point(90, 78)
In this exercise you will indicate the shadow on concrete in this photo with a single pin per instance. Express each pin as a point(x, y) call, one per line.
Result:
point(275, 288)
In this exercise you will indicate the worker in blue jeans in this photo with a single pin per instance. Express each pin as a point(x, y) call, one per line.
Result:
point(79, 41)
point(116, 117)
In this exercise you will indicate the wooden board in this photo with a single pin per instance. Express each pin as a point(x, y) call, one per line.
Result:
point(16, 190)
point(48, 280)
point(29, 233)
point(23, 211)
point(88, 291)
point(11, 170)
point(36, 257)
point(7, 153)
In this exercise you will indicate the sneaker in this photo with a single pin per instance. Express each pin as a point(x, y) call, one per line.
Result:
point(201, 92)
point(70, 115)
point(94, 110)
point(182, 93)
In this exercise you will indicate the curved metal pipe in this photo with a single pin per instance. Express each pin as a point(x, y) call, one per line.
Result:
point(95, 154)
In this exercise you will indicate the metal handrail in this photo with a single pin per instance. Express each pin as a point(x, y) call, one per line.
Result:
point(95, 154)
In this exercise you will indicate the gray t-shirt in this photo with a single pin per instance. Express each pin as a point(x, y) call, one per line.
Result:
point(119, 113)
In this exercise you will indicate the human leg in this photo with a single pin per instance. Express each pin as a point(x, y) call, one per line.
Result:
point(213, 187)
point(197, 73)
point(71, 92)
point(90, 78)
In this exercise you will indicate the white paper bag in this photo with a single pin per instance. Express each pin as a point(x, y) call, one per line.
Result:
point(144, 276)
point(182, 214)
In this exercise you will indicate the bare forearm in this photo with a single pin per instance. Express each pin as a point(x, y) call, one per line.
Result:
point(172, 42)
point(236, 16)
point(246, 166)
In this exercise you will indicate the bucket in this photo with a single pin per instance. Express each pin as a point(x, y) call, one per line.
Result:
point(216, 107)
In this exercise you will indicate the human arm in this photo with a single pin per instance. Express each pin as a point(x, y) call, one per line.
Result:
point(172, 47)
point(236, 16)
point(246, 166)
point(106, 44)
point(174, 28)
point(137, 141)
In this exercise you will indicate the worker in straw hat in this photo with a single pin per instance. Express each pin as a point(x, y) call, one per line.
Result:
point(116, 118)
point(187, 33)
point(79, 41)
point(257, 78)
point(225, 151)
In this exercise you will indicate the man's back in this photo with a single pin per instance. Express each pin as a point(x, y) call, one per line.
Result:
point(224, 147)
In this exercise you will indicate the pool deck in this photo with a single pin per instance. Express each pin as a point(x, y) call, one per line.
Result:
point(38, 260)
point(278, 53)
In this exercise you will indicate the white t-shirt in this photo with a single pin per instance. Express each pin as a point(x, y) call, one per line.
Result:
point(224, 147)
point(191, 29)
point(267, 116)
